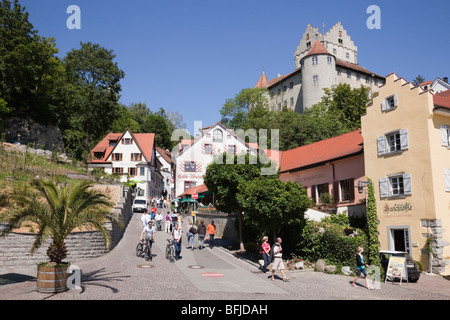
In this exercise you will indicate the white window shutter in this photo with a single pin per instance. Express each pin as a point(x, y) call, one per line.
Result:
point(407, 188)
point(384, 188)
point(404, 139)
point(395, 100)
point(444, 135)
point(381, 145)
point(447, 180)
point(384, 105)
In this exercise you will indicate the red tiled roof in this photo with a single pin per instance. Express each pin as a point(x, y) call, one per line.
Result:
point(167, 155)
point(144, 141)
point(104, 146)
point(198, 189)
point(356, 67)
point(425, 83)
point(442, 99)
point(315, 153)
point(317, 48)
point(263, 82)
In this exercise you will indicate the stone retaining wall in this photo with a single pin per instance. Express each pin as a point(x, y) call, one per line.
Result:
point(226, 224)
point(15, 247)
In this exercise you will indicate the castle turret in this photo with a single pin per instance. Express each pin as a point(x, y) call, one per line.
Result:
point(318, 72)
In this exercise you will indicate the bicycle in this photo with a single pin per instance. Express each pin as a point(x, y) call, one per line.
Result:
point(144, 247)
point(170, 251)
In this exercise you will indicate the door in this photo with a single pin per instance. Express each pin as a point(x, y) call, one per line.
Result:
point(399, 239)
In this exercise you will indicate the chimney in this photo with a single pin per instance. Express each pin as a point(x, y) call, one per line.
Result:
point(446, 79)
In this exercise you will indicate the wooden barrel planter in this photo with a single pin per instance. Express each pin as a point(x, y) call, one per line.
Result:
point(52, 279)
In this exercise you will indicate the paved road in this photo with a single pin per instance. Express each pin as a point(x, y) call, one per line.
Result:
point(208, 274)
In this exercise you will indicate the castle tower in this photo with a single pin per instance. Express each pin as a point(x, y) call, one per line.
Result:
point(318, 72)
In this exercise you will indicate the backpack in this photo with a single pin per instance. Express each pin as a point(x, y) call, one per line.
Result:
point(271, 253)
point(193, 230)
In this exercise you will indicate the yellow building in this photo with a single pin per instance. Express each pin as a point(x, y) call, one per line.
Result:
point(406, 135)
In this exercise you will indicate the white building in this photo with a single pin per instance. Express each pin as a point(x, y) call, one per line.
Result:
point(167, 172)
point(133, 157)
point(191, 162)
point(436, 86)
point(321, 61)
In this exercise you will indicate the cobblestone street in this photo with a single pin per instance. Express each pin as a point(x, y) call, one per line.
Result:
point(208, 274)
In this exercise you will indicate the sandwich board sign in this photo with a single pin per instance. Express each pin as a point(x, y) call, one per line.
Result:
point(396, 269)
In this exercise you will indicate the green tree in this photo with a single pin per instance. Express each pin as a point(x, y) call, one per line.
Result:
point(94, 86)
point(28, 65)
point(347, 103)
point(418, 80)
point(223, 177)
point(58, 210)
point(4, 110)
point(158, 123)
point(273, 206)
point(235, 111)
point(125, 120)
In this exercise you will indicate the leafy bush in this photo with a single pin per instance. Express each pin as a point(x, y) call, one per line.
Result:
point(332, 242)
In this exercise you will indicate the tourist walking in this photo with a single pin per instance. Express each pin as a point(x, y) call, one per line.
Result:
point(278, 260)
point(361, 268)
point(201, 229)
point(174, 217)
point(211, 228)
point(168, 222)
point(176, 236)
point(145, 218)
point(158, 219)
point(265, 252)
point(191, 235)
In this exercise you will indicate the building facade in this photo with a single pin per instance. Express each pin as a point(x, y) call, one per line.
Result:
point(407, 156)
point(321, 61)
point(332, 166)
point(167, 173)
point(133, 158)
point(191, 162)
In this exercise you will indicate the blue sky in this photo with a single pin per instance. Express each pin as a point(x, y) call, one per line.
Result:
point(191, 55)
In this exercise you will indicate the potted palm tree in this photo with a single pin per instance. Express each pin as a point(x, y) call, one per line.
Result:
point(57, 210)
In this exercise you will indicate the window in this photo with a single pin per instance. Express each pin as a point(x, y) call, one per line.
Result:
point(291, 100)
point(329, 60)
point(116, 157)
point(117, 170)
point(396, 141)
point(136, 157)
point(284, 88)
point(346, 190)
point(208, 148)
point(231, 149)
point(127, 141)
point(347, 55)
point(308, 44)
point(340, 41)
point(358, 77)
point(339, 72)
point(189, 166)
point(397, 185)
point(188, 185)
point(141, 171)
point(334, 51)
point(317, 191)
point(315, 80)
point(132, 172)
point(445, 135)
point(349, 74)
point(314, 60)
point(217, 135)
point(291, 85)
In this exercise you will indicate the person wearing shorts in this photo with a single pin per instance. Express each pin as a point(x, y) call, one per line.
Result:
point(361, 268)
point(278, 260)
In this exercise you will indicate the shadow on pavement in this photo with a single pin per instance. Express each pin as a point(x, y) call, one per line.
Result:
point(101, 279)
point(10, 278)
